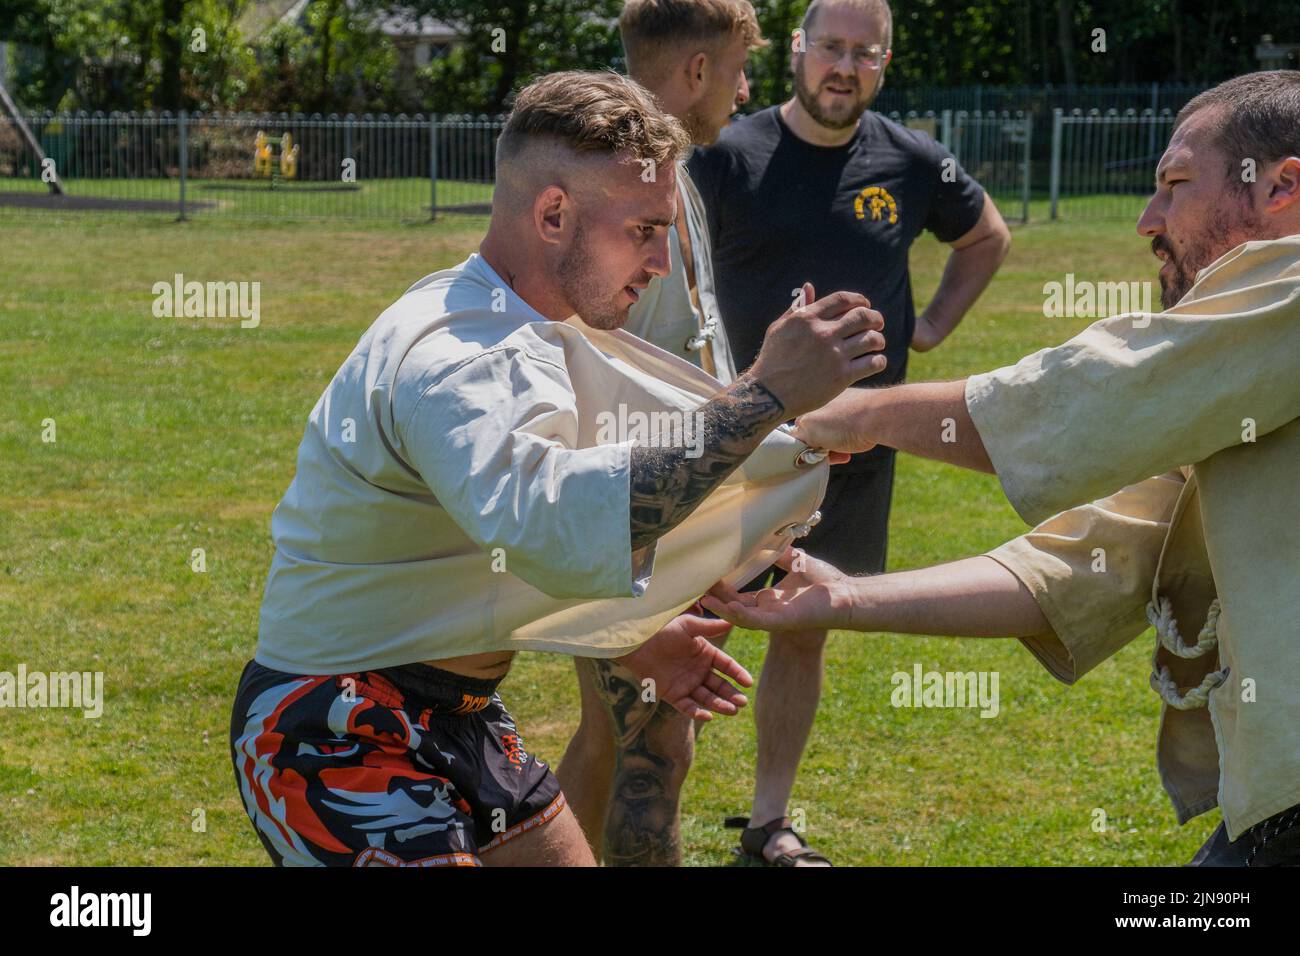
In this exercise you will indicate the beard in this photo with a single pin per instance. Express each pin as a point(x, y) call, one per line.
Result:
point(701, 130)
point(579, 281)
point(1200, 250)
point(832, 120)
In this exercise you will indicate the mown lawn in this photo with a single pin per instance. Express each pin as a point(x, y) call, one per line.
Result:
point(388, 199)
point(176, 434)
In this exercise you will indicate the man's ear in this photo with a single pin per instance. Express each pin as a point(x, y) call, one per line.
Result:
point(552, 213)
point(697, 74)
point(1283, 185)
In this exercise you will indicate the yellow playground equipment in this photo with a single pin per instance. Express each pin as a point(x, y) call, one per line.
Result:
point(288, 157)
point(264, 157)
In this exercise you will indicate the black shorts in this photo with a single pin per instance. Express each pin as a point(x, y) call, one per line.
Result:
point(853, 533)
point(404, 766)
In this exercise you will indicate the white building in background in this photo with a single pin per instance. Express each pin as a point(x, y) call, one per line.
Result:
point(417, 40)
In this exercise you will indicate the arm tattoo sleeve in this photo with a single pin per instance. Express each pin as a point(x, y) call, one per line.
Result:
point(653, 754)
point(667, 485)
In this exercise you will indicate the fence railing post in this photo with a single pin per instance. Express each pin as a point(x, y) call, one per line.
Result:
point(1155, 109)
point(433, 167)
point(182, 132)
point(945, 130)
point(1028, 122)
point(1058, 121)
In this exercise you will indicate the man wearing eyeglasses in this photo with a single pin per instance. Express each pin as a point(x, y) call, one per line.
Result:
point(820, 189)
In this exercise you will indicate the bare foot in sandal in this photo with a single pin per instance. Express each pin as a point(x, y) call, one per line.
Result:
point(775, 843)
point(785, 842)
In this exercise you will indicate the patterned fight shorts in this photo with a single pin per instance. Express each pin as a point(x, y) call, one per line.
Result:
point(404, 766)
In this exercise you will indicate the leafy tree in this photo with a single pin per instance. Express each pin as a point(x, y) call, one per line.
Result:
point(333, 62)
point(126, 54)
point(503, 45)
point(137, 54)
point(1014, 42)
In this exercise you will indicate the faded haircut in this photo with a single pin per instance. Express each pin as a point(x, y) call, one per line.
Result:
point(591, 112)
point(656, 32)
point(876, 7)
point(1259, 120)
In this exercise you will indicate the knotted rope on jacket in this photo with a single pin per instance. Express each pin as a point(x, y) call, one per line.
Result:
point(1161, 616)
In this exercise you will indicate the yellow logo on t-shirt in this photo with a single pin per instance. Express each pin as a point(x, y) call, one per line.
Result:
point(877, 200)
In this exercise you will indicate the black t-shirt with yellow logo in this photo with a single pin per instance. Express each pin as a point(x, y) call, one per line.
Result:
point(782, 211)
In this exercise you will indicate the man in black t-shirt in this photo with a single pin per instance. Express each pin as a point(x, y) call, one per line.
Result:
point(822, 190)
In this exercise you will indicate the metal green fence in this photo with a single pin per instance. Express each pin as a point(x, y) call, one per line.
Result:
point(269, 166)
point(1039, 102)
point(1103, 164)
point(279, 166)
point(995, 147)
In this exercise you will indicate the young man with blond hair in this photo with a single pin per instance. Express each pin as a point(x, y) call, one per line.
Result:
point(625, 766)
point(691, 55)
point(455, 503)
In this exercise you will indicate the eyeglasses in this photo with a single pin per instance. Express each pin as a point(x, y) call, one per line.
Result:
point(832, 51)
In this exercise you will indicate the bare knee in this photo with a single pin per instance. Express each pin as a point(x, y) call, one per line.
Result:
point(663, 747)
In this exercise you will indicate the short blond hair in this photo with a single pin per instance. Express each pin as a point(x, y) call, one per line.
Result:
point(590, 112)
point(653, 31)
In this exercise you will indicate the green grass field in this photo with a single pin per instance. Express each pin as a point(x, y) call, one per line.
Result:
point(175, 434)
point(394, 199)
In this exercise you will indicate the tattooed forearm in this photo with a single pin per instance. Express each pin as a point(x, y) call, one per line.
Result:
point(642, 823)
point(667, 485)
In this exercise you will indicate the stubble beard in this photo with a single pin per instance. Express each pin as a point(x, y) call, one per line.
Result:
point(580, 285)
point(808, 100)
point(699, 128)
point(1218, 237)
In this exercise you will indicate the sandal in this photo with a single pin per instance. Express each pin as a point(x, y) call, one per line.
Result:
point(753, 839)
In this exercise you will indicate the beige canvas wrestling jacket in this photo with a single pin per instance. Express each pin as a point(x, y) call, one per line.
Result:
point(463, 486)
point(1207, 398)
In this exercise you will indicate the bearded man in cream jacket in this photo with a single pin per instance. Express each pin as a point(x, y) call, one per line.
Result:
point(1166, 445)
point(464, 492)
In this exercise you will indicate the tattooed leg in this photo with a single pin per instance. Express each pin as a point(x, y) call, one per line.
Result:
point(654, 749)
point(666, 485)
point(654, 742)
